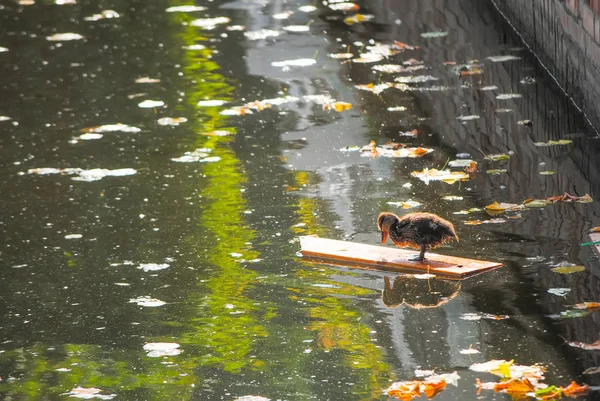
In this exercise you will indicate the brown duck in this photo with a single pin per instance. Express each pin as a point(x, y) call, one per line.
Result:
point(418, 230)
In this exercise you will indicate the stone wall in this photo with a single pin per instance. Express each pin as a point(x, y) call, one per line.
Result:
point(565, 36)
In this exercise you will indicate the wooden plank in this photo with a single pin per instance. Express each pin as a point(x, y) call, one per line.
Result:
point(344, 253)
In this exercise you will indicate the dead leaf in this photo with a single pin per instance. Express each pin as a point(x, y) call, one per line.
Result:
point(567, 268)
point(587, 305)
point(554, 143)
point(404, 46)
point(595, 346)
point(337, 106)
point(449, 177)
point(570, 198)
point(491, 221)
point(498, 208)
point(499, 157)
point(358, 19)
point(341, 56)
point(432, 388)
point(575, 389)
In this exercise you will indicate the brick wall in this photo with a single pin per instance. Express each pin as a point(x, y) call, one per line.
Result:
point(565, 36)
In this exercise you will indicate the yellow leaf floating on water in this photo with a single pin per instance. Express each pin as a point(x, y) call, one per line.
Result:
point(337, 106)
point(500, 157)
point(409, 204)
point(498, 208)
point(449, 177)
point(554, 143)
point(358, 19)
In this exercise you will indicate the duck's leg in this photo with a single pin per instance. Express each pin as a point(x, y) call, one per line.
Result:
point(420, 257)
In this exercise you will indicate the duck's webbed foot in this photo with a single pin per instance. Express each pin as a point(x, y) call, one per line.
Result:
point(420, 257)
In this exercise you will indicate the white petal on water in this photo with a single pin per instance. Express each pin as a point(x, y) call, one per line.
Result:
point(196, 158)
point(185, 9)
point(197, 46)
point(147, 301)
point(150, 267)
point(499, 59)
point(90, 136)
point(561, 292)
point(261, 34)
point(99, 173)
point(89, 393)
point(73, 236)
point(252, 398)
point(105, 14)
point(470, 316)
point(296, 28)
point(162, 349)
point(469, 351)
point(211, 103)
point(307, 9)
point(60, 37)
point(506, 96)
point(44, 171)
point(147, 104)
point(118, 127)
point(468, 118)
point(283, 15)
point(173, 121)
point(209, 23)
point(460, 163)
point(300, 62)
point(147, 80)
point(414, 79)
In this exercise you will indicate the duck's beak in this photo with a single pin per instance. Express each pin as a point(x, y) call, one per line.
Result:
point(384, 235)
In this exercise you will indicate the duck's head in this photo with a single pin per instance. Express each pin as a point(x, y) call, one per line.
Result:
point(385, 221)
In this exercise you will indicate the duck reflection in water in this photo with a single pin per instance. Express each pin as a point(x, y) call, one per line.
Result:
point(418, 293)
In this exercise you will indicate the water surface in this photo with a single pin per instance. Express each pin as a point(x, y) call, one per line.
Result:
point(204, 255)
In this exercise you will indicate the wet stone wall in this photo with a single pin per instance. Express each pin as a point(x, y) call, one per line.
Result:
point(565, 36)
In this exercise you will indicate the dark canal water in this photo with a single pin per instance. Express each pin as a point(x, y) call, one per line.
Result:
point(98, 266)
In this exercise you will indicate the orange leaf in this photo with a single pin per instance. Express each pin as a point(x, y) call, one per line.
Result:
point(595, 230)
point(431, 389)
point(587, 305)
point(518, 388)
point(575, 389)
point(420, 151)
point(472, 169)
point(405, 391)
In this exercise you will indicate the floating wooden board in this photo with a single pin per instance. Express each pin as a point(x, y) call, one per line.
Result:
point(344, 253)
